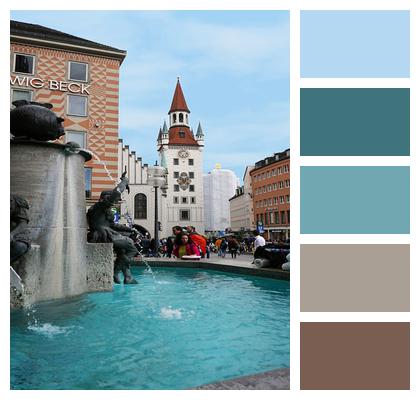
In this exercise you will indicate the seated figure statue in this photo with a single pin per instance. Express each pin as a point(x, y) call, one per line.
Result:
point(103, 229)
point(19, 237)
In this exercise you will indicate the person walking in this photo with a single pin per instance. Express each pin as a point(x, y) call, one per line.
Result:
point(233, 247)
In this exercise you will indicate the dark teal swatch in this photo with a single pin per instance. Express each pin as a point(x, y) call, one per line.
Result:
point(347, 200)
point(355, 122)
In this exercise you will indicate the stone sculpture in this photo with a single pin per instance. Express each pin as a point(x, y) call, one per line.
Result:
point(103, 229)
point(32, 120)
point(19, 238)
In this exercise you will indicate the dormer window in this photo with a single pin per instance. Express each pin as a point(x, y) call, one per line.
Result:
point(181, 134)
point(181, 117)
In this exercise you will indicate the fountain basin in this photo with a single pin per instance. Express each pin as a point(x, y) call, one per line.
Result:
point(51, 177)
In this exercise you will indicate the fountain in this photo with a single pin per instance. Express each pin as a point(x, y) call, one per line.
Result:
point(50, 176)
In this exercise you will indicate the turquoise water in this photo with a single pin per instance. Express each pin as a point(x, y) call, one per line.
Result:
point(177, 329)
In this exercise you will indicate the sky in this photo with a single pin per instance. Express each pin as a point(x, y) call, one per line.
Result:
point(233, 67)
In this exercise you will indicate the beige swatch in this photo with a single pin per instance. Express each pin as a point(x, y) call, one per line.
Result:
point(355, 277)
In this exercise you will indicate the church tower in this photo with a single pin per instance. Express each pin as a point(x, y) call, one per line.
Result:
point(182, 153)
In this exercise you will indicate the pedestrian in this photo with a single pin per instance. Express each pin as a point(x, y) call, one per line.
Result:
point(233, 247)
point(259, 242)
point(186, 248)
point(208, 248)
point(198, 239)
point(223, 247)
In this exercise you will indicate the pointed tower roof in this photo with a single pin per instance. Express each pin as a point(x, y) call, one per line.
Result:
point(159, 134)
point(178, 101)
point(165, 127)
point(199, 130)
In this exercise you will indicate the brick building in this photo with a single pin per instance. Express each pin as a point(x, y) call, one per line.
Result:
point(271, 195)
point(80, 78)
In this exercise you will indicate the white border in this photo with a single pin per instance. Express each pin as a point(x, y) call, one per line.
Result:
point(295, 83)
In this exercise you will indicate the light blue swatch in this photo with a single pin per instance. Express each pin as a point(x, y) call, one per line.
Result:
point(360, 44)
point(348, 200)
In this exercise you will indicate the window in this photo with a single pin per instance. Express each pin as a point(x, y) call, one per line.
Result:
point(176, 188)
point(283, 217)
point(181, 119)
point(192, 188)
point(286, 168)
point(18, 94)
point(186, 118)
point(78, 71)
point(174, 118)
point(176, 161)
point(24, 64)
point(176, 174)
point(287, 198)
point(78, 137)
point(274, 186)
point(276, 217)
point(184, 200)
point(88, 182)
point(176, 200)
point(191, 175)
point(184, 215)
point(190, 161)
point(278, 171)
point(77, 105)
point(287, 183)
point(281, 199)
point(181, 133)
point(264, 189)
point(274, 172)
point(140, 206)
point(288, 216)
point(281, 184)
point(192, 200)
point(275, 200)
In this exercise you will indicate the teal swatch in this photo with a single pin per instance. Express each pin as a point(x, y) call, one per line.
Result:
point(358, 43)
point(355, 122)
point(347, 200)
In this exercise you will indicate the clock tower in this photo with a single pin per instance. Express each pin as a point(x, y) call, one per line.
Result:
point(181, 152)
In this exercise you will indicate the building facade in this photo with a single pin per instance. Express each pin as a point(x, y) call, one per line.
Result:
point(138, 205)
point(219, 186)
point(271, 195)
point(241, 206)
point(80, 78)
point(181, 152)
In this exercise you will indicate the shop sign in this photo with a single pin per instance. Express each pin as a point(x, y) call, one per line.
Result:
point(38, 83)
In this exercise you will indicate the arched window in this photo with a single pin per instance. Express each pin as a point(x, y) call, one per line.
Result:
point(186, 118)
point(140, 206)
point(174, 117)
point(181, 117)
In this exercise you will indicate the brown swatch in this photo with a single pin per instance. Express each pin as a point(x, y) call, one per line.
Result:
point(355, 277)
point(355, 355)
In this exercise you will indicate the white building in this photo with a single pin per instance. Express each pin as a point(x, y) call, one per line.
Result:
point(241, 206)
point(181, 152)
point(139, 204)
point(219, 186)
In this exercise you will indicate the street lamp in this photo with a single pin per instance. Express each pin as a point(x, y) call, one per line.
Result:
point(156, 177)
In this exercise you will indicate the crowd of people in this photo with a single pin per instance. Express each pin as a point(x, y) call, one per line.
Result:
point(185, 241)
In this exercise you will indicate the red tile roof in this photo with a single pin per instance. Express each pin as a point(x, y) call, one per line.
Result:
point(174, 137)
point(178, 102)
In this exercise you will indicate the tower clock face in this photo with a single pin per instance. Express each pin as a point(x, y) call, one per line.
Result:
point(183, 153)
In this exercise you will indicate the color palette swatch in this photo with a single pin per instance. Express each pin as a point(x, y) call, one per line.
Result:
point(355, 122)
point(343, 273)
point(351, 44)
point(362, 200)
point(352, 355)
point(355, 278)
